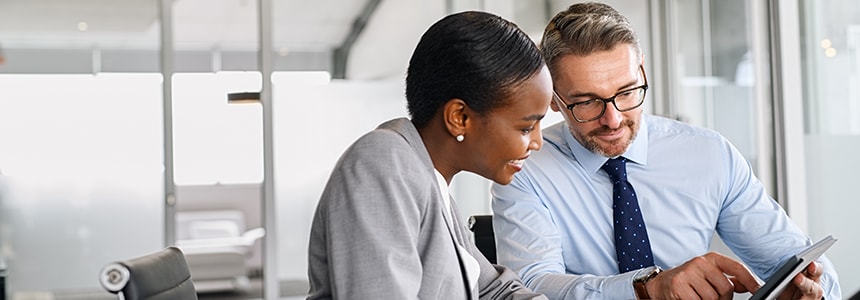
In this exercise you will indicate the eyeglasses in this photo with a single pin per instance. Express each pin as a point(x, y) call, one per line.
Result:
point(593, 109)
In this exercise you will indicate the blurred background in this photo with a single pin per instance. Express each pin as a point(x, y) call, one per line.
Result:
point(117, 137)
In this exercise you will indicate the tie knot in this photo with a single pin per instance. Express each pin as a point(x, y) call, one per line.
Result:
point(616, 168)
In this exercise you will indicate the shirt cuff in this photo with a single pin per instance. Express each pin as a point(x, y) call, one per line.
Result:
point(621, 286)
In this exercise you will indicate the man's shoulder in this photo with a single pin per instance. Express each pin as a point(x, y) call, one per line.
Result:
point(555, 132)
point(662, 126)
point(554, 140)
point(554, 156)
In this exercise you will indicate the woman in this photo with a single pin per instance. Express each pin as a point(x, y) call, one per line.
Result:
point(385, 227)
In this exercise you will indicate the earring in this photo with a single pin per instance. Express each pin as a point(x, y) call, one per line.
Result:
point(460, 138)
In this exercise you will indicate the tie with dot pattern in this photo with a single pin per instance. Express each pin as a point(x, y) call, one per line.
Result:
point(632, 247)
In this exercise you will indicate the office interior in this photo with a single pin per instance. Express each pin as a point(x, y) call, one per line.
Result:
point(117, 138)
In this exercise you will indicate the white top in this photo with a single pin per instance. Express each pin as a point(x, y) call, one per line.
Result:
point(473, 269)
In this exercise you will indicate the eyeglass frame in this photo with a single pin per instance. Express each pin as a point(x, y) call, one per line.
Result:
point(606, 101)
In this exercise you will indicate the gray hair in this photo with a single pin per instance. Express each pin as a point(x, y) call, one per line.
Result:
point(583, 29)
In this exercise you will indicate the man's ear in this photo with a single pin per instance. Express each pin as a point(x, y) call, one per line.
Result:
point(553, 104)
point(455, 114)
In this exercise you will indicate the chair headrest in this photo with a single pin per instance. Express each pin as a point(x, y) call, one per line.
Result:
point(163, 274)
point(114, 277)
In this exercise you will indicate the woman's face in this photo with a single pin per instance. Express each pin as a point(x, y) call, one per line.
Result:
point(503, 138)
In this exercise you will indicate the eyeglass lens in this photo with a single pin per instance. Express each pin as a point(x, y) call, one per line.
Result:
point(623, 101)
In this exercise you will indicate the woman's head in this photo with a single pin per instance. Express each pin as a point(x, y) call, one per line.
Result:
point(476, 75)
point(474, 56)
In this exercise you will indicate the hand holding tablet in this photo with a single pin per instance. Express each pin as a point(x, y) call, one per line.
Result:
point(793, 266)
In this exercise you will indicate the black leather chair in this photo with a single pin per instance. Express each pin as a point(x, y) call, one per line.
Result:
point(485, 239)
point(2, 278)
point(856, 296)
point(157, 276)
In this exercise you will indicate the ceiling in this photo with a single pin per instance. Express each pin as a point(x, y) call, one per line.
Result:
point(196, 23)
point(299, 26)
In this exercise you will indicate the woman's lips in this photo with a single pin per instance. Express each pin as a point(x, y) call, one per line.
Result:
point(517, 164)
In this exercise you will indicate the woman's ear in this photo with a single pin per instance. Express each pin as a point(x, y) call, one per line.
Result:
point(455, 116)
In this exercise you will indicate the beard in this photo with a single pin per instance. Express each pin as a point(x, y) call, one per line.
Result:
point(614, 148)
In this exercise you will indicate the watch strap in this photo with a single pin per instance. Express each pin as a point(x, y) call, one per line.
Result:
point(639, 283)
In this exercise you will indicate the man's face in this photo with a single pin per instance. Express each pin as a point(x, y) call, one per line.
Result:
point(599, 75)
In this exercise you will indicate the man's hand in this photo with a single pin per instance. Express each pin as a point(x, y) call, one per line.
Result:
point(805, 285)
point(710, 276)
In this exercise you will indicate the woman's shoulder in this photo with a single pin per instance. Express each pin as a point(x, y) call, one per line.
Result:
point(388, 147)
point(381, 161)
point(390, 138)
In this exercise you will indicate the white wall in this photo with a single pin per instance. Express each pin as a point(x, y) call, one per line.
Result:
point(314, 124)
point(831, 163)
point(81, 184)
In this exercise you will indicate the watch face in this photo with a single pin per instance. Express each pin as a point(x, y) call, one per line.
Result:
point(639, 282)
point(652, 272)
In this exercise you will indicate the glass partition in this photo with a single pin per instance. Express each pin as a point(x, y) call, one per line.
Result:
point(831, 76)
point(218, 146)
point(715, 46)
point(81, 175)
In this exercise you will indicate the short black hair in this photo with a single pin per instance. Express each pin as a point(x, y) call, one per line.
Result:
point(475, 56)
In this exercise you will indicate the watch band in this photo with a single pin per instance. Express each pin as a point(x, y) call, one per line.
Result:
point(641, 291)
point(639, 283)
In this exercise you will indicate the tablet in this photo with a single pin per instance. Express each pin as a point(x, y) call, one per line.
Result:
point(794, 265)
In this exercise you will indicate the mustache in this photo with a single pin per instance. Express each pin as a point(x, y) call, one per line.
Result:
point(605, 129)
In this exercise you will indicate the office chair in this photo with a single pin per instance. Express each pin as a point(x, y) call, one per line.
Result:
point(856, 296)
point(157, 276)
point(485, 239)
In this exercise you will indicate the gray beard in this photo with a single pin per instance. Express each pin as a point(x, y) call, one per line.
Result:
point(589, 143)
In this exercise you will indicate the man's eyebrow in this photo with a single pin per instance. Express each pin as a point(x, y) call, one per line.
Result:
point(594, 95)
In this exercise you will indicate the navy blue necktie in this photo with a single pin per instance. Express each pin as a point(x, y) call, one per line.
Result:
point(632, 247)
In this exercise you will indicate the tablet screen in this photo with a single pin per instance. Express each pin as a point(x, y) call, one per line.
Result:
point(794, 265)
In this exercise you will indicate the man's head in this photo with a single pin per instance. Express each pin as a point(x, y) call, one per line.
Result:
point(593, 53)
point(586, 28)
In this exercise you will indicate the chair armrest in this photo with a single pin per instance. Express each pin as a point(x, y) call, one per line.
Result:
point(254, 234)
point(239, 243)
point(113, 277)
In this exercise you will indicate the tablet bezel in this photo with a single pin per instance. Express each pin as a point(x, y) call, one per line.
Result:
point(790, 268)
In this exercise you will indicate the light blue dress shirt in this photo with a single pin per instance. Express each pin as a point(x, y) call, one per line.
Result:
point(553, 223)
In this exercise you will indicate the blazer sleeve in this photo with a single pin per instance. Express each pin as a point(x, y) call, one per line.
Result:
point(371, 209)
point(496, 281)
point(499, 282)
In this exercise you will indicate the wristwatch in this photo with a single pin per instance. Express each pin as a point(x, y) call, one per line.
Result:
point(639, 281)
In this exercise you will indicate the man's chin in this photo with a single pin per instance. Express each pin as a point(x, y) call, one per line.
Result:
point(607, 149)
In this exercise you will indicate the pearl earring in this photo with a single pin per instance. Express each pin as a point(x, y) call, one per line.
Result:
point(460, 138)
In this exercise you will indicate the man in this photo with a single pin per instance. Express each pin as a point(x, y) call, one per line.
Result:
point(556, 223)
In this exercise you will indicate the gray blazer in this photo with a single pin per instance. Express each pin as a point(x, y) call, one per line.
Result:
point(379, 230)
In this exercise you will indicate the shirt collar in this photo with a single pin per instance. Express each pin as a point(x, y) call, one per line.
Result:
point(636, 153)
